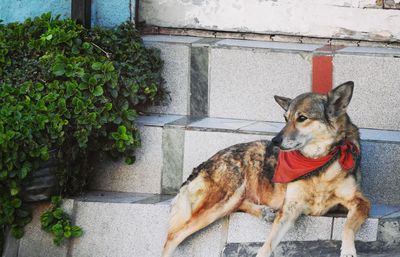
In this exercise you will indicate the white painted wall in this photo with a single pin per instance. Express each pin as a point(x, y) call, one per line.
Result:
point(350, 19)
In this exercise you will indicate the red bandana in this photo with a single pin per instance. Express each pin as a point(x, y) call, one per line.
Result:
point(293, 165)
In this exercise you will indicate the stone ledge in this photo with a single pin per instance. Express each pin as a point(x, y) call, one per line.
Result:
point(248, 126)
point(244, 228)
point(134, 224)
point(309, 249)
point(268, 45)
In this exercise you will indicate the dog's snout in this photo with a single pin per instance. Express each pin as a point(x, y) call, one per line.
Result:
point(277, 140)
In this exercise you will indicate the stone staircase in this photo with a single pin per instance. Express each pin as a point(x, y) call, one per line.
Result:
point(222, 94)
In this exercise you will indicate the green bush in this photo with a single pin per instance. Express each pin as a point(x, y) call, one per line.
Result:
point(75, 90)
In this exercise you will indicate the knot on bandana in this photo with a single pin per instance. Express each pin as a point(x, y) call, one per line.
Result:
point(293, 165)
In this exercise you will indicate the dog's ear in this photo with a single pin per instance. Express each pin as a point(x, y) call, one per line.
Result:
point(339, 98)
point(284, 102)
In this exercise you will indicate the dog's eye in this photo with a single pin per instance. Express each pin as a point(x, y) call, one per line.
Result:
point(301, 118)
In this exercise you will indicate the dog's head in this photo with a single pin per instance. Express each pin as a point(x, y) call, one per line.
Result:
point(314, 122)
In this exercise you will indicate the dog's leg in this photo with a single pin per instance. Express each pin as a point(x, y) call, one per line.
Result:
point(260, 211)
point(284, 220)
point(200, 219)
point(358, 212)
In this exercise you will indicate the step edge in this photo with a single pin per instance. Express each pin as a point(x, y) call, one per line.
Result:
point(250, 127)
point(271, 45)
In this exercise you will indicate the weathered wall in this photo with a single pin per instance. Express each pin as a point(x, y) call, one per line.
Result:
point(350, 19)
point(107, 13)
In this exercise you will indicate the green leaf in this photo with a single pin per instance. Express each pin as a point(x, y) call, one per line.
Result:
point(14, 191)
point(122, 130)
point(115, 135)
point(39, 87)
point(97, 66)
point(68, 234)
point(108, 106)
point(130, 160)
point(44, 153)
point(131, 115)
point(86, 45)
point(58, 69)
point(98, 91)
point(17, 232)
point(16, 203)
point(23, 172)
point(57, 229)
point(76, 231)
point(58, 213)
point(56, 200)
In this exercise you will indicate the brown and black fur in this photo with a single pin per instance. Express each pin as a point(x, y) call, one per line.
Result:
point(239, 178)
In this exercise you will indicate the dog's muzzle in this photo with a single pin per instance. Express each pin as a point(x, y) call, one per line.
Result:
point(277, 140)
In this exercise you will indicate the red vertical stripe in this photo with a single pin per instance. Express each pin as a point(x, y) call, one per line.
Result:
point(322, 69)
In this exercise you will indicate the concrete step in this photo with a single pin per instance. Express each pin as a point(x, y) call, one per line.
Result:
point(328, 19)
point(134, 225)
point(307, 249)
point(173, 145)
point(237, 79)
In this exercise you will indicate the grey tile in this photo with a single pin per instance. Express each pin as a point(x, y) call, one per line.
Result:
point(144, 176)
point(120, 229)
point(218, 123)
point(367, 233)
point(394, 215)
point(136, 230)
point(199, 81)
point(156, 199)
point(176, 73)
point(382, 210)
point(206, 42)
point(157, 119)
point(113, 197)
point(267, 127)
point(375, 101)
point(389, 232)
point(380, 172)
point(166, 202)
point(173, 149)
point(380, 135)
point(10, 245)
point(243, 82)
point(269, 45)
point(183, 122)
point(325, 248)
point(36, 241)
point(169, 39)
point(370, 50)
point(245, 228)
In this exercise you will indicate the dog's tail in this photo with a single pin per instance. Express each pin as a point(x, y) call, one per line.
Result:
point(181, 210)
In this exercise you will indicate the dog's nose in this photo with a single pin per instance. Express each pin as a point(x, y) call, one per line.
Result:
point(277, 140)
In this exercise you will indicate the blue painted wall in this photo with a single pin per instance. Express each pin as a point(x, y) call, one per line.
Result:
point(107, 13)
point(19, 10)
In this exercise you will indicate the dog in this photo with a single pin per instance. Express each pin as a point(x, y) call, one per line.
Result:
point(310, 167)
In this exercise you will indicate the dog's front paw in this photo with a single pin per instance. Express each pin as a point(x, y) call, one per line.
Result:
point(348, 254)
point(268, 214)
point(348, 249)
